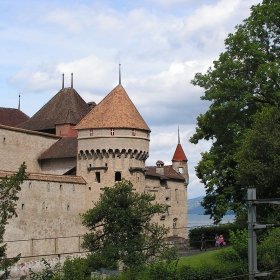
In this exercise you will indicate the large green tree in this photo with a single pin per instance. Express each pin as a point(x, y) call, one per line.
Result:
point(121, 228)
point(9, 188)
point(244, 80)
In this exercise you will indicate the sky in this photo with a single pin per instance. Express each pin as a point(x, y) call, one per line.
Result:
point(160, 45)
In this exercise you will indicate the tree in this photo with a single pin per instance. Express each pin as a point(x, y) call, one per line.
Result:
point(243, 81)
point(9, 188)
point(121, 228)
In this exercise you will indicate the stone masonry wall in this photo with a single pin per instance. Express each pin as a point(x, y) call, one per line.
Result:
point(48, 219)
point(18, 145)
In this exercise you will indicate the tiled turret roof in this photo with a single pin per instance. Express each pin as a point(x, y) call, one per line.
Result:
point(116, 110)
point(12, 117)
point(179, 154)
point(67, 105)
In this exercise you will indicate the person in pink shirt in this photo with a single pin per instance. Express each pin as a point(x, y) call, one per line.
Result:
point(221, 241)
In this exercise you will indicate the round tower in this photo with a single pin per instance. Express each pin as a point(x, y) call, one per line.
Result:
point(180, 161)
point(113, 143)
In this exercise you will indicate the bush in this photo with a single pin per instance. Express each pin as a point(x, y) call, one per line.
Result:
point(210, 232)
point(239, 242)
point(268, 250)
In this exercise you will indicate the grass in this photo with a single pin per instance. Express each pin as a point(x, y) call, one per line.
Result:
point(210, 257)
point(216, 258)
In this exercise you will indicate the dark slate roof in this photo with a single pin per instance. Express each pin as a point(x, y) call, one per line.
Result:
point(169, 173)
point(12, 117)
point(179, 154)
point(64, 148)
point(67, 106)
point(116, 110)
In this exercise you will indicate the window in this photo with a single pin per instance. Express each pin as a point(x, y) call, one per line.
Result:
point(91, 132)
point(162, 218)
point(30, 185)
point(118, 176)
point(148, 134)
point(43, 206)
point(97, 178)
point(48, 187)
point(68, 208)
point(112, 131)
point(181, 170)
point(133, 132)
point(175, 220)
point(22, 206)
point(176, 195)
point(73, 188)
point(60, 187)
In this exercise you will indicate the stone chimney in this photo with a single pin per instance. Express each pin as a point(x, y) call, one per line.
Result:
point(160, 167)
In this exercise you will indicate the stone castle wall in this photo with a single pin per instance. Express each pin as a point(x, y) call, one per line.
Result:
point(173, 194)
point(19, 145)
point(48, 219)
point(103, 157)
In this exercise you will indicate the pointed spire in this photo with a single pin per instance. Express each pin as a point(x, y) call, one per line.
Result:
point(19, 101)
point(178, 135)
point(71, 80)
point(120, 81)
point(62, 80)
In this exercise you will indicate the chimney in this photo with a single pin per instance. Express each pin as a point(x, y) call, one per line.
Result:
point(71, 80)
point(63, 81)
point(160, 167)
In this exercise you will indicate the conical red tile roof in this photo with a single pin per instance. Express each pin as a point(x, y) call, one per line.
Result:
point(116, 110)
point(179, 154)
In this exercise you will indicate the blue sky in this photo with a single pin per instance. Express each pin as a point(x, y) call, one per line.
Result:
point(161, 44)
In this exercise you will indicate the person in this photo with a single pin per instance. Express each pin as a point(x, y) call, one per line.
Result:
point(221, 241)
point(23, 273)
point(217, 237)
point(203, 242)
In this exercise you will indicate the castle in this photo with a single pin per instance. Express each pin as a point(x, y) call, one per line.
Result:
point(73, 150)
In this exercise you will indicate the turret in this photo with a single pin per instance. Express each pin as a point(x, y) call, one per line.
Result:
point(113, 143)
point(180, 161)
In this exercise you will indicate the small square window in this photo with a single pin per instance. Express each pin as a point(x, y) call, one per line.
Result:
point(118, 176)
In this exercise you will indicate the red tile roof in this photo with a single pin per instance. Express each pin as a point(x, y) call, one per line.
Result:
point(179, 154)
point(48, 177)
point(169, 173)
point(26, 131)
point(66, 106)
point(116, 110)
point(12, 117)
point(64, 148)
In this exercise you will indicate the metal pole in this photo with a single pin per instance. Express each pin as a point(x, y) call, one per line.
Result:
point(252, 237)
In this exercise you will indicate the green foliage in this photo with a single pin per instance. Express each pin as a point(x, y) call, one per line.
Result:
point(239, 242)
point(242, 82)
point(210, 232)
point(268, 251)
point(9, 188)
point(121, 228)
point(48, 273)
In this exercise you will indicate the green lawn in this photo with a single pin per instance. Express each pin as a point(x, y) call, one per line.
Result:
point(210, 257)
point(217, 258)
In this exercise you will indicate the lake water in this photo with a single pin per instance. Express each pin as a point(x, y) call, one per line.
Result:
point(195, 220)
